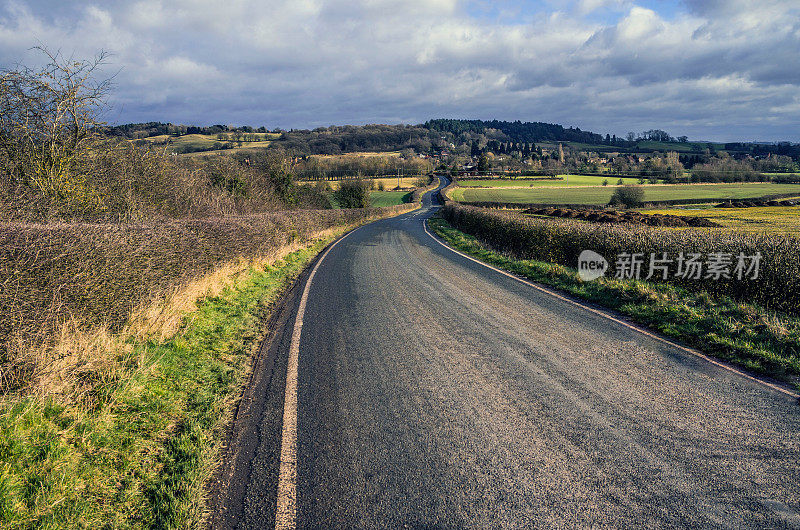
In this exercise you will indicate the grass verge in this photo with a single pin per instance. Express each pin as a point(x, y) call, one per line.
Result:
point(134, 450)
point(762, 341)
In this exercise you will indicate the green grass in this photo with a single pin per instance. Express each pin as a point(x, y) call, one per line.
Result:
point(744, 334)
point(136, 453)
point(388, 198)
point(568, 180)
point(601, 195)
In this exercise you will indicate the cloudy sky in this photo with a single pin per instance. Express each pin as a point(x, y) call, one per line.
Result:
point(710, 69)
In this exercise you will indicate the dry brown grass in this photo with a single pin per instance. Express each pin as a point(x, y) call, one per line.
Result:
point(159, 318)
point(68, 289)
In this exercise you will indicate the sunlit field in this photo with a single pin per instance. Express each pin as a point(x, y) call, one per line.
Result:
point(773, 219)
point(562, 181)
point(388, 198)
point(202, 143)
point(388, 183)
point(602, 194)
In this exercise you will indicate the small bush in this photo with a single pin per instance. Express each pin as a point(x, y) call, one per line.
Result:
point(353, 194)
point(630, 196)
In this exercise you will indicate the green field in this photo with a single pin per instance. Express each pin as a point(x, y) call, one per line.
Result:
point(601, 195)
point(198, 142)
point(388, 198)
point(568, 180)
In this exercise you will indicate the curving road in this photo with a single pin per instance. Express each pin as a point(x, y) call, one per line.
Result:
point(434, 392)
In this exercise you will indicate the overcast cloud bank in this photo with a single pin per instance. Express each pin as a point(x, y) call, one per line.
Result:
point(723, 70)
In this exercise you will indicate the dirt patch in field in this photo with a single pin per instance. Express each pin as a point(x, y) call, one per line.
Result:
point(617, 216)
point(745, 203)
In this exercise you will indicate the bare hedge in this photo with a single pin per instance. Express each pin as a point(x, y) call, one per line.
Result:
point(97, 273)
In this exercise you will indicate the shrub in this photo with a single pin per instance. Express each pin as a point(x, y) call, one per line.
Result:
point(314, 197)
point(629, 196)
point(48, 124)
point(353, 194)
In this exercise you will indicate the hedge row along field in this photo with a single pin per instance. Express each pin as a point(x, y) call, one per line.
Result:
point(562, 241)
point(96, 274)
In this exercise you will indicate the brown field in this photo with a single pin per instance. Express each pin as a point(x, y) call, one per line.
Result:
point(774, 219)
point(406, 183)
point(362, 154)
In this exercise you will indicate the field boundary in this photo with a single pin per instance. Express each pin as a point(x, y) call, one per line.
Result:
point(646, 204)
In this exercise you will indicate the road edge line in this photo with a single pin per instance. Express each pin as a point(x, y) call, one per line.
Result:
point(286, 503)
point(628, 325)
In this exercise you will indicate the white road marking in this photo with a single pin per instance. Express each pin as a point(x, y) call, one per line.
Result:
point(286, 510)
point(618, 321)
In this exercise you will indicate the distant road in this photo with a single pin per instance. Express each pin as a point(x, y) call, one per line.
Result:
point(434, 392)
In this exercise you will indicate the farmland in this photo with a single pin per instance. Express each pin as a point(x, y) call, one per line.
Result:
point(389, 198)
point(388, 183)
point(566, 180)
point(195, 143)
point(599, 195)
point(777, 220)
point(363, 154)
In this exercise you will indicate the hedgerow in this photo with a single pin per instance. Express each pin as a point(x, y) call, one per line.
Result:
point(95, 274)
point(561, 241)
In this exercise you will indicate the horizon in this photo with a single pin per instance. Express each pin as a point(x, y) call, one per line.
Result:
point(708, 69)
point(421, 124)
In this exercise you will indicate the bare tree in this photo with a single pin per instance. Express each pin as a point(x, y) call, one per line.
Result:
point(48, 120)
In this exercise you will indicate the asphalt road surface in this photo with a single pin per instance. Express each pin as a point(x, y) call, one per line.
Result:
point(434, 392)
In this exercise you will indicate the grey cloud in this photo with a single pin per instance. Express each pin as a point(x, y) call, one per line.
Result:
point(717, 70)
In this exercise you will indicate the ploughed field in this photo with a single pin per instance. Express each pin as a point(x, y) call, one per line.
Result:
point(600, 195)
point(776, 220)
point(623, 216)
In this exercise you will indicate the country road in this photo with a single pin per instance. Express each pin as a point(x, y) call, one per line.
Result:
point(433, 392)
